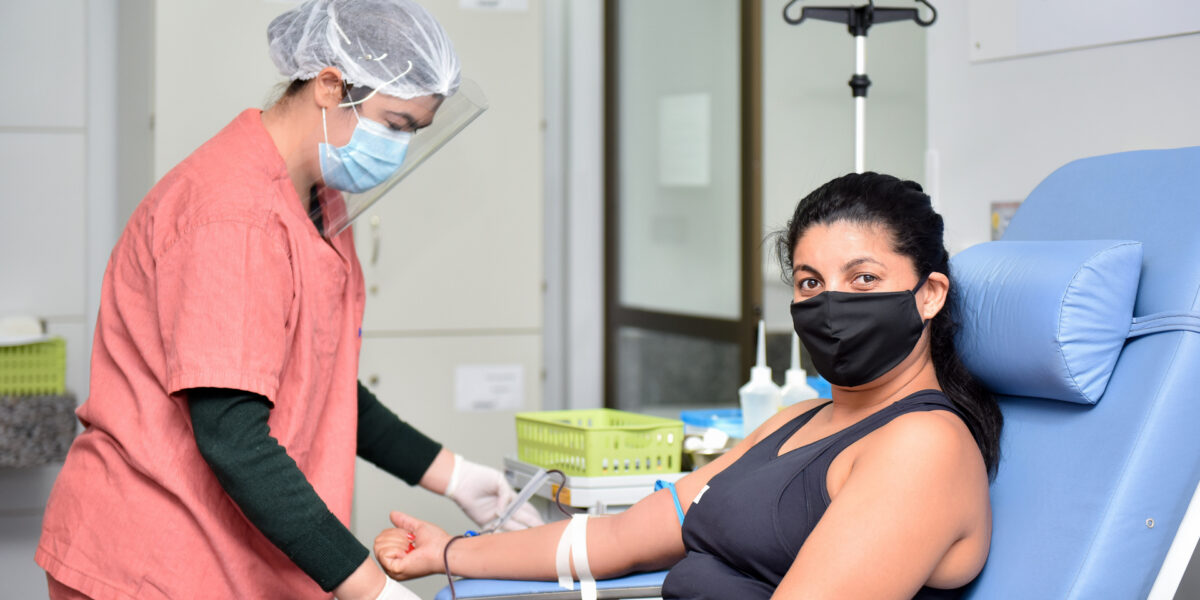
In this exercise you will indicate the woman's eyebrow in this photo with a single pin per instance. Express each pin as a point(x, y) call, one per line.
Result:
point(804, 267)
point(854, 262)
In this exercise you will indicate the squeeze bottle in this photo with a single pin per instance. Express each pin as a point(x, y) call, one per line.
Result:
point(760, 396)
point(795, 385)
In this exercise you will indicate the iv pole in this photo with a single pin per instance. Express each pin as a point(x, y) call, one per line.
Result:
point(859, 19)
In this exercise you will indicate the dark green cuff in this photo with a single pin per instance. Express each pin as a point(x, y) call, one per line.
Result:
point(329, 544)
point(391, 444)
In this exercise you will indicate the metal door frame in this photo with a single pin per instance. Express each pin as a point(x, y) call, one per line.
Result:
point(741, 331)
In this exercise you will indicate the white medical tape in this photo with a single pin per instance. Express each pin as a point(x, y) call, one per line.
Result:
point(562, 560)
point(587, 583)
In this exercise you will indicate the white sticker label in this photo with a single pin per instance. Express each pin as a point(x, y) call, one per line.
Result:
point(684, 140)
point(497, 5)
point(696, 500)
point(485, 388)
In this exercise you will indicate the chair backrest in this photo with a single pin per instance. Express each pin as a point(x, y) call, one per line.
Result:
point(1088, 499)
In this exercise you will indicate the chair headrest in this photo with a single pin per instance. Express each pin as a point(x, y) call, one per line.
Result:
point(1045, 319)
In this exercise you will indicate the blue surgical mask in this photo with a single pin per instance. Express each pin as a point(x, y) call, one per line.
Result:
point(373, 154)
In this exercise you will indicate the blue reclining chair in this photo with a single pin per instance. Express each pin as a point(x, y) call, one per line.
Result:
point(1089, 499)
point(1101, 444)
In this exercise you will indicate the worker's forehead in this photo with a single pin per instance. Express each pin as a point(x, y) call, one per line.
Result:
point(421, 107)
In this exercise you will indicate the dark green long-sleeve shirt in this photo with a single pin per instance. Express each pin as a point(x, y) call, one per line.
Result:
point(231, 431)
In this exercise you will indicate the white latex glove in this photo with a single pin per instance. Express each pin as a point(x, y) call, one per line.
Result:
point(483, 493)
point(393, 590)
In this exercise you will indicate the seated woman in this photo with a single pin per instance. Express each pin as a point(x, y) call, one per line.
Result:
point(880, 493)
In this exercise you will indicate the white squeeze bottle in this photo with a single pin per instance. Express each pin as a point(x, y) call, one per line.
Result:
point(760, 396)
point(795, 384)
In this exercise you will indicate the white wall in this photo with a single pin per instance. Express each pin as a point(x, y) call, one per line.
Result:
point(573, 336)
point(135, 110)
point(584, 229)
point(998, 128)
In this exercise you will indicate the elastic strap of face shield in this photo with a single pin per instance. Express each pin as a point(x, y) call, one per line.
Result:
point(376, 90)
point(572, 547)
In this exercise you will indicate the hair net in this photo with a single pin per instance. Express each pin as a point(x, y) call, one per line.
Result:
point(372, 42)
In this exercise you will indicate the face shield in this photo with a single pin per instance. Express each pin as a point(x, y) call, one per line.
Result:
point(454, 114)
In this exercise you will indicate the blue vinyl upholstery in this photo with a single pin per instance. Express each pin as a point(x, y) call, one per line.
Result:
point(1077, 484)
point(502, 589)
point(1046, 319)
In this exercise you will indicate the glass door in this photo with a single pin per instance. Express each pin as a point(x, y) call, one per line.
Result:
point(683, 223)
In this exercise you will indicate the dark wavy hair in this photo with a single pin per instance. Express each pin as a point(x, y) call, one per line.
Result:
point(905, 211)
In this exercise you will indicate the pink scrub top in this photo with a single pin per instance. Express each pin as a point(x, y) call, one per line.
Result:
point(219, 280)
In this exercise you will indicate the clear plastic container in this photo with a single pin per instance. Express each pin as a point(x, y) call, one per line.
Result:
point(759, 397)
point(795, 386)
point(759, 403)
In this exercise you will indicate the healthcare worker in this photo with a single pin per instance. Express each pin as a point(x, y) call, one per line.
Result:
point(217, 459)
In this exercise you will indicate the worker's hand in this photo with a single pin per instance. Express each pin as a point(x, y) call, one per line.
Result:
point(483, 493)
point(412, 549)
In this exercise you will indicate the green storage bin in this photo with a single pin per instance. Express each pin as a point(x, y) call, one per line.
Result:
point(599, 442)
point(34, 369)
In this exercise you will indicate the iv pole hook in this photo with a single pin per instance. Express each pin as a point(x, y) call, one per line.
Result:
point(859, 19)
point(860, 16)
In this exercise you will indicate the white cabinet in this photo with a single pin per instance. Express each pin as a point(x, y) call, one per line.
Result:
point(460, 240)
point(42, 232)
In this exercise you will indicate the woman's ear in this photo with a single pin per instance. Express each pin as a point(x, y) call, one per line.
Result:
point(327, 88)
point(932, 296)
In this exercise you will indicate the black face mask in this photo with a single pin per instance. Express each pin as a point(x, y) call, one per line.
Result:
point(854, 338)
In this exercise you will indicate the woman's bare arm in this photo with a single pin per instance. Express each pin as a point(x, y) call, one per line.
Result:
point(641, 538)
point(647, 536)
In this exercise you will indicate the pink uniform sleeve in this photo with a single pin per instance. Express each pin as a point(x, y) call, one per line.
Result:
point(224, 296)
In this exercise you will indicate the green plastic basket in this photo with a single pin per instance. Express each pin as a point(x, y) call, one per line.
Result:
point(599, 442)
point(34, 369)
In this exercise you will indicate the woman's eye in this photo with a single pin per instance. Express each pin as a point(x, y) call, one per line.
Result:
point(808, 284)
point(866, 279)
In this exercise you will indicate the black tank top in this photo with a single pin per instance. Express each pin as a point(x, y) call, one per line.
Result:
point(743, 532)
